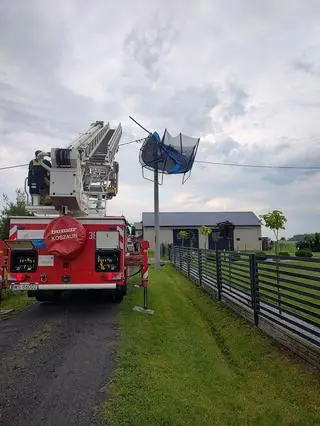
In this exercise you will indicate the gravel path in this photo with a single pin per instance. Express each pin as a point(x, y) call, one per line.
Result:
point(56, 360)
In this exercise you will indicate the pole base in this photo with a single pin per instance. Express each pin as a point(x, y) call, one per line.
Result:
point(144, 310)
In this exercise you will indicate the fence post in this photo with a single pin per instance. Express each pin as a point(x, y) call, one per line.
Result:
point(218, 274)
point(254, 287)
point(180, 257)
point(200, 266)
point(189, 262)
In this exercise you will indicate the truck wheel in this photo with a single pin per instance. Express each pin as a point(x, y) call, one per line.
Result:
point(47, 296)
point(117, 295)
point(43, 297)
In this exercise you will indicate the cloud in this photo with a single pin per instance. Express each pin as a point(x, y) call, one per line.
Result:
point(246, 83)
point(309, 61)
point(309, 68)
point(148, 48)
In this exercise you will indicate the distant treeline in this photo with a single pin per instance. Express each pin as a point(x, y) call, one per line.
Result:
point(303, 237)
point(310, 241)
point(298, 237)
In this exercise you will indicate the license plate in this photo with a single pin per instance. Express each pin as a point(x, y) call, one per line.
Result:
point(24, 286)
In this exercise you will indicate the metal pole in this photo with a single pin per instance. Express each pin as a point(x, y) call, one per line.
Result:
point(156, 217)
point(145, 298)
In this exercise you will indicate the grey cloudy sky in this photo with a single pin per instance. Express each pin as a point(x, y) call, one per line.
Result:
point(244, 76)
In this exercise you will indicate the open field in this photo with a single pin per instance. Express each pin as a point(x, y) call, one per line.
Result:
point(285, 246)
point(196, 363)
point(295, 287)
point(292, 284)
point(289, 247)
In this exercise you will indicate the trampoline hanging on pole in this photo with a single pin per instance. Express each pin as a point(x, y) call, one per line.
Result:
point(172, 155)
point(167, 155)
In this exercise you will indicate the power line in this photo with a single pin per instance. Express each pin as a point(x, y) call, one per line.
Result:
point(136, 141)
point(258, 166)
point(26, 164)
point(13, 167)
point(215, 163)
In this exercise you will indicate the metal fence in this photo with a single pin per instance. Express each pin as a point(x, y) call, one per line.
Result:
point(281, 295)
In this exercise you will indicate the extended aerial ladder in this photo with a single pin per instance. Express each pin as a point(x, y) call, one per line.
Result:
point(71, 251)
point(84, 175)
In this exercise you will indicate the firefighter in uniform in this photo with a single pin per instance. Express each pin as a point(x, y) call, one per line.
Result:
point(111, 192)
point(39, 179)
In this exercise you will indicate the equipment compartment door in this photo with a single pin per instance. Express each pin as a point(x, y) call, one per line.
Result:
point(107, 240)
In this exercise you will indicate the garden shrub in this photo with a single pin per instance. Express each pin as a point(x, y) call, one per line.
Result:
point(304, 253)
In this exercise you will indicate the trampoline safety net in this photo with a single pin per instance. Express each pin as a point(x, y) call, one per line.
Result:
point(171, 155)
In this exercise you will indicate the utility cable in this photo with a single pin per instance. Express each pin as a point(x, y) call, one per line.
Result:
point(136, 141)
point(13, 167)
point(215, 163)
point(259, 166)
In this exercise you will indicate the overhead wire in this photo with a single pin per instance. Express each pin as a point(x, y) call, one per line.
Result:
point(259, 166)
point(215, 163)
point(13, 167)
point(136, 141)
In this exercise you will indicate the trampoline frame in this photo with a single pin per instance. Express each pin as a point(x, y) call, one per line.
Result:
point(163, 148)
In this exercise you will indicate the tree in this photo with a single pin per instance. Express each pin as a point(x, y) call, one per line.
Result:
point(205, 231)
point(310, 241)
point(296, 238)
point(11, 208)
point(183, 235)
point(275, 221)
point(316, 242)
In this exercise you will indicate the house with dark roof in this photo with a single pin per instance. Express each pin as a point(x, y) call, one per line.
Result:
point(245, 236)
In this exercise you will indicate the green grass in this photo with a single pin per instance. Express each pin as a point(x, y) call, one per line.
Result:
point(41, 336)
point(237, 275)
point(15, 300)
point(196, 363)
point(292, 282)
point(294, 296)
point(150, 253)
point(290, 285)
point(289, 248)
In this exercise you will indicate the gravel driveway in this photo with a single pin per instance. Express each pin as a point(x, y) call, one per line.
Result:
point(56, 360)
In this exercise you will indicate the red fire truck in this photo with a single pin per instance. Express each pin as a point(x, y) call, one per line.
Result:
point(70, 243)
point(3, 263)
